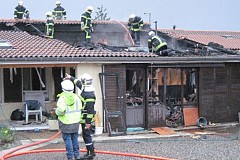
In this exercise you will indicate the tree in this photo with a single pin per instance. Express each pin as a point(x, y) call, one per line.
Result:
point(101, 14)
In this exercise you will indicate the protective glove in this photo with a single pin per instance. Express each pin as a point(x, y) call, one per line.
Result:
point(82, 26)
point(92, 128)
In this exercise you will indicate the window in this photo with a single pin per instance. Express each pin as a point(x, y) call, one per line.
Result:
point(12, 78)
point(180, 85)
point(135, 86)
point(17, 80)
point(34, 79)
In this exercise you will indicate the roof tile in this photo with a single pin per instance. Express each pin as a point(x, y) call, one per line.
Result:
point(26, 45)
point(229, 39)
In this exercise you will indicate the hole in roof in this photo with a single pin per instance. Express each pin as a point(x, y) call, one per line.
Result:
point(5, 44)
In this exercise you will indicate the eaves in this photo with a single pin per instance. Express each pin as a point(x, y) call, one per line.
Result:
point(73, 61)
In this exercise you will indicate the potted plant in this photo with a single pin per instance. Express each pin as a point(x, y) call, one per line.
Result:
point(53, 121)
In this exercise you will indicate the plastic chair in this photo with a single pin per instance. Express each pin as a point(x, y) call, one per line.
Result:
point(33, 107)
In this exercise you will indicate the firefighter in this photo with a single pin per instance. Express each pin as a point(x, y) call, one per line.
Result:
point(87, 118)
point(86, 23)
point(135, 24)
point(59, 12)
point(20, 11)
point(157, 44)
point(69, 111)
point(49, 26)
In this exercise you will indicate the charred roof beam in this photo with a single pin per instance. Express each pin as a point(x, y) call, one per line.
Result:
point(37, 30)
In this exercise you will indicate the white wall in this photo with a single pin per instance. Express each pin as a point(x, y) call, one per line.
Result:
point(93, 70)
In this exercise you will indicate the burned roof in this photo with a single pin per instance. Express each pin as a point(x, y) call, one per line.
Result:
point(28, 48)
point(228, 39)
point(25, 45)
point(36, 21)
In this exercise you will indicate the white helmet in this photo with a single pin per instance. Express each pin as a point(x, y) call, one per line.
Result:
point(151, 33)
point(58, 2)
point(48, 14)
point(20, 3)
point(89, 8)
point(67, 85)
point(86, 79)
point(132, 16)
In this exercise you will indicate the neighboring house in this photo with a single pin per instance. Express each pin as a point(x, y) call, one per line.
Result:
point(133, 88)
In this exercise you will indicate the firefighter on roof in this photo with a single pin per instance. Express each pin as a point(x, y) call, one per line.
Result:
point(135, 24)
point(157, 44)
point(49, 26)
point(87, 118)
point(20, 11)
point(86, 23)
point(59, 12)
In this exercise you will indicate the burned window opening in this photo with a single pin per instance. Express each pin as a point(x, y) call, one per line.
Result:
point(135, 87)
point(172, 89)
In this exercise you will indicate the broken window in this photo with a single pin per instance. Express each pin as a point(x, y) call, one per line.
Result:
point(17, 80)
point(175, 88)
point(12, 82)
point(173, 85)
point(34, 79)
point(135, 87)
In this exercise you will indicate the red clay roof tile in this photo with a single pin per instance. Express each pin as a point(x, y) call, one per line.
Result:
point(25, 45)
point(229, 39)
point(35, 21)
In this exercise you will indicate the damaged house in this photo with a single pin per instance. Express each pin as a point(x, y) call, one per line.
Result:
point(134, 88)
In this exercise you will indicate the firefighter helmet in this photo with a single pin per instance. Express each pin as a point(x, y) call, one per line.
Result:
point(48, 14)
point(58, 2)
point(132, 16)
point(89, 8)
point(151, 33)
point(20, 3)
point(67, 85)
point(86, 79)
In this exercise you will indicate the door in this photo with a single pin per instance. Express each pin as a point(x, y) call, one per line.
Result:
point(135, 95)
point(113, 100)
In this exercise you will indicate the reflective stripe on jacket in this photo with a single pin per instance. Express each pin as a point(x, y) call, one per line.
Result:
point(69, 108)
point(49, 28)
point(156, 42)
point(59, 12)
point(86, 20)
point(136, 24)
point(20, 11)
point(88, 113)
point(88, 98)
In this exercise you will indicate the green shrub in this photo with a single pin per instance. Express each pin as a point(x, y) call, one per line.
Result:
point(6, 135)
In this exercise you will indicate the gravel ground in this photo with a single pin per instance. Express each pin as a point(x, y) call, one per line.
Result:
point(220, 146)
point(207, 147)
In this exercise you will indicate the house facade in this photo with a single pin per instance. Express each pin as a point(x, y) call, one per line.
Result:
point(134, 88)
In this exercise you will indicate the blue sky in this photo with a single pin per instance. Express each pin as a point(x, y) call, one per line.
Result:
point(185, 14)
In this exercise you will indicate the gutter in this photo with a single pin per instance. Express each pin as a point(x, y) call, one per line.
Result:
point(117, 60)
